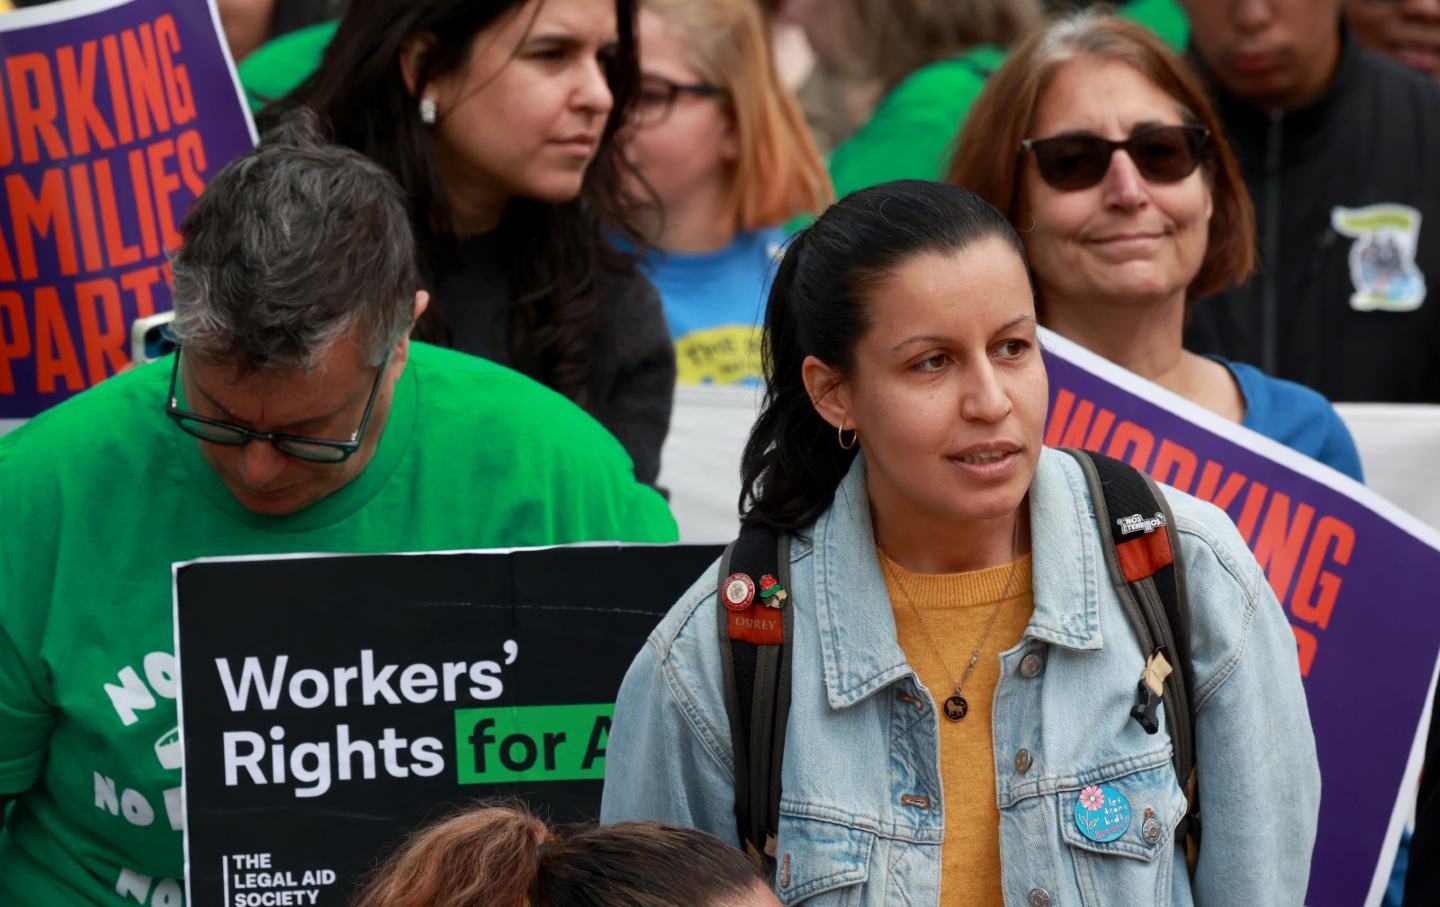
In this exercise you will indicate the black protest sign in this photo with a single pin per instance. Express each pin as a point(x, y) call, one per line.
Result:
point(330, 704)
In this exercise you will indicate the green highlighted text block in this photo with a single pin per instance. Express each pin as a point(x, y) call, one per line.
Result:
point(532, 743)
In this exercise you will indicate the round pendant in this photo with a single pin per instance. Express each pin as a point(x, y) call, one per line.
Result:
point(956, 707)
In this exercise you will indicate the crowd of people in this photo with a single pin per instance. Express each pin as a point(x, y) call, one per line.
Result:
point(446, 302)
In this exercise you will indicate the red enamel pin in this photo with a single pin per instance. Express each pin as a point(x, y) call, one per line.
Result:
point(771, 592)
point(739, 592)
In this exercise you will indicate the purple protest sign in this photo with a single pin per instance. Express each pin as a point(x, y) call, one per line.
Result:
point(1356, 576)
point(112, 117)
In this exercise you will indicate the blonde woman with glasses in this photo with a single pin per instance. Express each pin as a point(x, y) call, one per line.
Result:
point(727, 158)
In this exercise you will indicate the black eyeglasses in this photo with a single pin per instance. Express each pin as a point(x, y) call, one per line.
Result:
point(314, 450)
point(1078, 160)
point(657, 95)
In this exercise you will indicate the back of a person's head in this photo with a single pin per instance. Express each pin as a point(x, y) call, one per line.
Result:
point(886, 40)
point(293, 245)
point(504, 856)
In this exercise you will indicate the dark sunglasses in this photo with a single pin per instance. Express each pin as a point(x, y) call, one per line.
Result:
point(1162, 154)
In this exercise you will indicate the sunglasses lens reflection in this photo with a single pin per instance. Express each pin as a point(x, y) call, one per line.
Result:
point(1163, 155)
point(1072, 162)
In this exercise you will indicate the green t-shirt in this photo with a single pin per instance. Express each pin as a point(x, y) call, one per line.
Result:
point(101, 494)
point(913, 131)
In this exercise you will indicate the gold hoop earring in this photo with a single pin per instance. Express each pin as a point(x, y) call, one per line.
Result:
point(840, 437)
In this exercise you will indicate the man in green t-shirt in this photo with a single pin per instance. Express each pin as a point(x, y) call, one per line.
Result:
point(296, 417)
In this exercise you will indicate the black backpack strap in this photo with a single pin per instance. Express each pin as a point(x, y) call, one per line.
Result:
point(1146, 569)
point(754, 583)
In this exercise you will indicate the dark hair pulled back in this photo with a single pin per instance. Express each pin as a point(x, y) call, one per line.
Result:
point(820, 305)
point(557, 256)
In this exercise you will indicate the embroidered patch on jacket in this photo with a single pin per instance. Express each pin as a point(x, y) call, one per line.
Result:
point(1382, 258)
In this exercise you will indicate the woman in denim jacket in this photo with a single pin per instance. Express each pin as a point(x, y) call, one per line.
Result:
point(941, 553)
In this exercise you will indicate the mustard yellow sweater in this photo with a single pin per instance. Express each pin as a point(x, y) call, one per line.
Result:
point(955, 608)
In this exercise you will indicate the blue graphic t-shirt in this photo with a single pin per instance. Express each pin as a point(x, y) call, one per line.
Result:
point(715, 304)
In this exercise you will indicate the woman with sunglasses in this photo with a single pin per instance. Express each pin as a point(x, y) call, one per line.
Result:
point(1103, 150)
point(722, 145)
point(499, 121)
point(962, 672)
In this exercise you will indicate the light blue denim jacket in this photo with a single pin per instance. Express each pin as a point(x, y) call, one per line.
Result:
point(863, 811)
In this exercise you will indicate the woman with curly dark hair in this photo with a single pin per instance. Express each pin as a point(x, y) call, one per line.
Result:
point(499, 120)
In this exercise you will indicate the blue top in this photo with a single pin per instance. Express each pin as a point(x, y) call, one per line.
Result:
point(715, 304)
point(1297, 417)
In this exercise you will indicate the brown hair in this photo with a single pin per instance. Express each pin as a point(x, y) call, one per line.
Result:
point(504, 856)
point(989, 163)
point(778, 171)
point(887, 40)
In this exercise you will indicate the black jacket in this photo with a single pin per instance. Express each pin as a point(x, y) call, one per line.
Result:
point(632, 358)
point(1372, 138)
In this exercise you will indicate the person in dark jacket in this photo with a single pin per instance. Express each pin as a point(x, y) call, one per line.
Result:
point(1337, 146)
point(500, 120)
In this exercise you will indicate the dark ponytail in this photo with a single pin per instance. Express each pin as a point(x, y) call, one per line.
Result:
point(820, 305)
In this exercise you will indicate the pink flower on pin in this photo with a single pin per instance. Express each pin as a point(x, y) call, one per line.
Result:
point(1091, 800)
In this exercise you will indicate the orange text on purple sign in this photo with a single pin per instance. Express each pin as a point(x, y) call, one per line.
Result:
point(74, 333)
point(1302, 552)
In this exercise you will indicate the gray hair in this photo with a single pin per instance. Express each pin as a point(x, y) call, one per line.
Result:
point(292, 246)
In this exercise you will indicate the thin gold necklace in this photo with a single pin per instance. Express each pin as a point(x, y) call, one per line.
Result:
point(955, 706)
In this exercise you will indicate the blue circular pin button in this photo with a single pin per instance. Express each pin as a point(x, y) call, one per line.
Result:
point(1102, 813)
